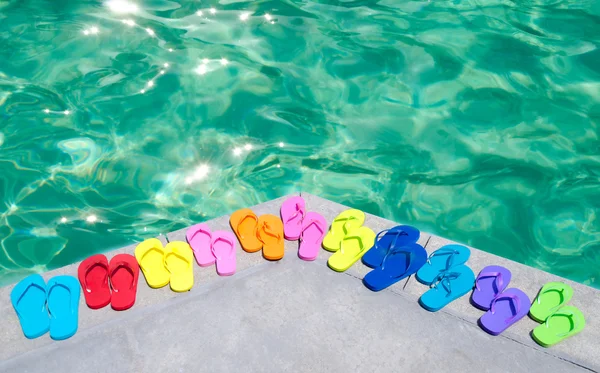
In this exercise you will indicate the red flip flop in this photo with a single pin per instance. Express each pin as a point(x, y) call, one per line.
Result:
point(93, 276)
point(124, 273)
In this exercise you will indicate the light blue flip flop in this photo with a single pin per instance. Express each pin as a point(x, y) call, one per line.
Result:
point(448, 286)
point(28, 298)
point(63, 306)
point(442, 260)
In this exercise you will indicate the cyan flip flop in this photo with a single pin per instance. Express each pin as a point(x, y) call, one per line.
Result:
point(447, 287)
point(387, 240)
point(63, 306)
point(441, 261)
point(397, 264)
point(28, 298)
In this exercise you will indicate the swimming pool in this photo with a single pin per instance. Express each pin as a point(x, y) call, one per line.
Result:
point(474, 120)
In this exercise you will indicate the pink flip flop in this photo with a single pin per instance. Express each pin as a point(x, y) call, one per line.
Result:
point(199, 238)
point(223, 249)
point(292, 212)
point(314, 227)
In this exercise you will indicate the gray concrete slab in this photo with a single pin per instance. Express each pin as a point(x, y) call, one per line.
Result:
point(447, 340)
point(291, 316)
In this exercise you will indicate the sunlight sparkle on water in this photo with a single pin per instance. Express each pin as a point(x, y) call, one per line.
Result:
point(129, 22)
point(212, 11)
point(63, 220)
point(281, 144)
point(150, 31)
point(224, 61)
point(268, 17)
point(199, 13)
point(201, 70)
point(122, 6)
point(248, 146)
point(237, 151)
point(91, 219)
point(244, 16)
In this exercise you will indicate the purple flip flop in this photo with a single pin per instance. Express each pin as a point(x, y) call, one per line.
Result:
point(491, 281)
point(506, 309)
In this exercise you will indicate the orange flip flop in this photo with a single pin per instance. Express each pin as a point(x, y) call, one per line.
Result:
point(270, 233)
point(244, 223)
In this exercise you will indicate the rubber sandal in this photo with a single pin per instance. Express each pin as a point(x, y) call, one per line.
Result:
point(292, 212)
point(564, 323)
point(199, 238)
point(124, 274)
point(442, 260)
point(388, 239)
point(28, 298)
point(505, 310)
point(353, 246)
point(179, 259)
point(93, 277)
point(398, 263)
point(447, 287)
point(150, 255)
point(314, 227)
point(550, 298)
point(244, 224)
point(223, 249)
point(63, 306)
point(340, 226)
point(270, 234)
point(491, 281)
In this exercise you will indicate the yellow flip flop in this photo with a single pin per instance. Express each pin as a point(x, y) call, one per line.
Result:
point(353, 246)
point(270, 233)
point(344, 222)
point(150, 255)
point(178, 260)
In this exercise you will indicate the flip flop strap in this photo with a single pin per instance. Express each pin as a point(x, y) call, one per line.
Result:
point(146, 270)
point(23, 294)
point(201, 231)
point(516, 301)
point(346, 222)
point(401, 250)
point(439, 252)
point(560, 291)
point(224, 239)
point(316, 224)
point(267, 229)
point(237, 229)
point(570, 315)
point(56, 284)
point(299, 210)
point(397, 234)
point(347, 238)
point(444, 280)
point(497, 275)
point(173, 252)
point(85, 286)
point(126, 266)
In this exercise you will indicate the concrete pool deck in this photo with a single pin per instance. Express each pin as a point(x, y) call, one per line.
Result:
point(299, 316)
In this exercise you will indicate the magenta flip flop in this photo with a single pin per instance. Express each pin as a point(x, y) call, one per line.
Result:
point(199, 238)
point(314, 228)
point(506, 309)
point(491, 281)
point(293, 211)
point(223, 249)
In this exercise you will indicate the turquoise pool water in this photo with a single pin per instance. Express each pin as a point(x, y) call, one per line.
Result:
point(474, 120)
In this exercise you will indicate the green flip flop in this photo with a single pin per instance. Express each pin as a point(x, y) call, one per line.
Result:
point(562, 324)
point(551, 297)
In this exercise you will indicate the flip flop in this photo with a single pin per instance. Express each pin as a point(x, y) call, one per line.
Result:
point(397, 264)
point(199, 238)
point(314, 227)
point(564, 323)
point(63, 306)
point(441, 261)
point(491, 281)
point(292, 212)
point(178, 260)
point(93, 276)
point(342, 224)
point(353, 246)
point(550, 298)
point(150, 255)
point(447, 287)
point(124, 274)
point(28, 298)
point(505, 310)
point(244, 224)
point(386, 240)
point(270, 233)
point(223, 249)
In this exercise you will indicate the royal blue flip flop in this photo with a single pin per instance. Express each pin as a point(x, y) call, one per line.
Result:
point(63, 306)
point(506, 309)
point(28, 298)
point(447, 287)
point(386, 240)
point(441, 261)
point(491, 281)
point(397, 264)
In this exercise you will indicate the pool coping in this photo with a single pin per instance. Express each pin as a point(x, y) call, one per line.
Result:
point(579, 350)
